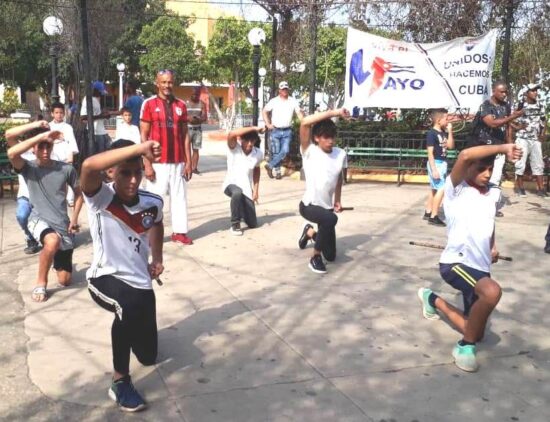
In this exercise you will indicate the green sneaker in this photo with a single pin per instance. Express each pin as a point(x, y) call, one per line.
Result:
point(465, 357)
point(428, 311)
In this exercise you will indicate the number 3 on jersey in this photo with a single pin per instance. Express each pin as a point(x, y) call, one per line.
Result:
point(136, 242)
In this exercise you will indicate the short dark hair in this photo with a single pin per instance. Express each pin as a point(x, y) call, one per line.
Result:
point(123, 143)
point(499, 82)
point(437, 113)
point(325, 128)
point(487, 161)
point(125, 110)
point(36, 131)
point(251, 137)
point(57, 105)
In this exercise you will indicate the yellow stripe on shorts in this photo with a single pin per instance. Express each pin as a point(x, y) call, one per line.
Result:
point(467, 277)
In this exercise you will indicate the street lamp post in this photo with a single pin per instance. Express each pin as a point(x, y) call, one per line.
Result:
point(261, 73)
point(256, 37)
point(121, 67)
point(53, 27)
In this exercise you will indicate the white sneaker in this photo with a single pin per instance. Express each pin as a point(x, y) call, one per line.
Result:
point(236, 230)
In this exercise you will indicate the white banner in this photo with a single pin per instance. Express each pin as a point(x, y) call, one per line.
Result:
point(395, 74)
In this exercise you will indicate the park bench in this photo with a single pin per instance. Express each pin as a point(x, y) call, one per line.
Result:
point(6, 174)
point(399, 160)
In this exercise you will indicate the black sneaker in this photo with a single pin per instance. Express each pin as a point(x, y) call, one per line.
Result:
point(547, 248)
point(317, 265)
point(197, 172)
point(427, 215)
point(522, 193)
point(32, 247)
point(236, 230)
point(126, 396)
point(436, 221)
point(304, 238)
point(542, 194)
point(269, 171)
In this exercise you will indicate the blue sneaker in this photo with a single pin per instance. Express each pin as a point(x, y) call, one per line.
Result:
point(428, 311)
point(465, 357)
point(125, 395)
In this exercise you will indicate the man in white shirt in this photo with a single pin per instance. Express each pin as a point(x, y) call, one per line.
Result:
point(242, 180)
point(282, 109)
point(323, 164)
point(126, 130)
point(465, 263)
point(102, 139)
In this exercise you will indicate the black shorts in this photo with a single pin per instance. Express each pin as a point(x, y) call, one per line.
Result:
point(63, 260)
point(463, 278)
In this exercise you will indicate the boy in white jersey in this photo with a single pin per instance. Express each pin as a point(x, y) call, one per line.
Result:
point(323, 164)
point(126, 130)
point(465, 263)
point(124, 222)
point(242, 180)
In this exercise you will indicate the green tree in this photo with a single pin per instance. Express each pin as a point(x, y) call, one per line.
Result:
point(168, 46)
point(229, 54)
point(331, 63)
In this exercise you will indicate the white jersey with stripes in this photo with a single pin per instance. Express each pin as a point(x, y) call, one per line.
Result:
point(119, 235)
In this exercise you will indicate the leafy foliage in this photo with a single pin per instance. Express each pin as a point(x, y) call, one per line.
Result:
point(169, 46)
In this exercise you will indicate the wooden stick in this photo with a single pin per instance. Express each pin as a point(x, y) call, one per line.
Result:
point(347, 208)
point(434, 246)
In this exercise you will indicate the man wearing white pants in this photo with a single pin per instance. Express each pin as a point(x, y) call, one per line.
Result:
point(531, 132)
point(164, 119)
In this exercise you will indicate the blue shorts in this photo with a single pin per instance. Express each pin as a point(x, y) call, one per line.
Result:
point(463, 278)
point(441, 166)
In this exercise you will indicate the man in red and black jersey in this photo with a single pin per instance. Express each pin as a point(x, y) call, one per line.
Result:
point(164, 119)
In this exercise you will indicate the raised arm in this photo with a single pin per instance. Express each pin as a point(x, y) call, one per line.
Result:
point(90, 175)
point(469, 155)
point(450, 137)
point(15, 152)
point(309, 121)
point(235, 134)
point(12, 134)
point(492, 122)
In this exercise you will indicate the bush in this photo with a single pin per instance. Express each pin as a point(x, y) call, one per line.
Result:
point(11, 101)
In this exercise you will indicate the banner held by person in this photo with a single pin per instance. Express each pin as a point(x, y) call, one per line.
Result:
point(396, 74)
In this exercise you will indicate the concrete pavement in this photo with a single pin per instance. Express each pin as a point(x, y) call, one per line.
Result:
point(248, 333)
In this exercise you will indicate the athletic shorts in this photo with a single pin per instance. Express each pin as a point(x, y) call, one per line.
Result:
point(195, 135)
point(463, 278)
point(441, 166)
point(63, 258)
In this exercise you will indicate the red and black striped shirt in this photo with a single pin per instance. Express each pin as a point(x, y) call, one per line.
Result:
point(167, 118)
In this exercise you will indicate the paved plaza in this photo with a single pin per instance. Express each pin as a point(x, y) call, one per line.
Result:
point(247, 333)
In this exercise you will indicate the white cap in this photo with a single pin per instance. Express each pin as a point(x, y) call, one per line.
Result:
point(283, 85)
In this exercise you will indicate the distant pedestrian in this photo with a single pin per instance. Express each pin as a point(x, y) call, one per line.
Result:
point(323, 164)
point(282, 109)
point(126, 130)
point(242, 180)
point(133, 101)
point(125, 222)
point(531, 133)
point(465, 264)
point(164, 119)
point(439, 139)
point(196, 112)
point(47, 181)
point(101, 137)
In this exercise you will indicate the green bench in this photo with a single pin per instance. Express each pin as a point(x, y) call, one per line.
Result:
point(400, 160)
point(6, 174)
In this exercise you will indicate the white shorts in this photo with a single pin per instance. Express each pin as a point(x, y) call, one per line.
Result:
point(37, 227)
point(533, 149)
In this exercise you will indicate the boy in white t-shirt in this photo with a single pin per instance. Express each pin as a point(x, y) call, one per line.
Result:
point(465, 263)
point(323, 164)
point(126, 130)
point(65, 148)
point(125, 224)
point(242, 180)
